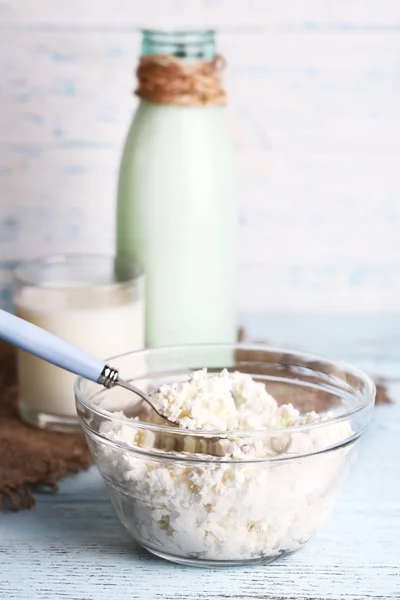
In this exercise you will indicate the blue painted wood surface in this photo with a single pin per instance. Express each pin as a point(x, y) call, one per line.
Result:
point(71, 546)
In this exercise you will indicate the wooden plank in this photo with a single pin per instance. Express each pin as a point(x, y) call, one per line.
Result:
point(196, 13)
point(58, 201)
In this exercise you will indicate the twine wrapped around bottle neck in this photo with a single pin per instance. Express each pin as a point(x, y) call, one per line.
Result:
point(168, 80)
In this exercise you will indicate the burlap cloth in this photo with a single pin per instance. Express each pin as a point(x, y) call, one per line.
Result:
point(31, 459)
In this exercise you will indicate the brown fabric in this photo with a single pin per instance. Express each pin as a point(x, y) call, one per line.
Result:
point(382, 394)
point(31, 458)
point(168, 80)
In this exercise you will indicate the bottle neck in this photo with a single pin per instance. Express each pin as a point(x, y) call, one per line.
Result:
point(186, 45)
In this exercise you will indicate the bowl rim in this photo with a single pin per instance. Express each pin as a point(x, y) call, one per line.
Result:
point(367, 397)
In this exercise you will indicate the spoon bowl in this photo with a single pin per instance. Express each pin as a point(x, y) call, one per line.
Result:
point(146, 397)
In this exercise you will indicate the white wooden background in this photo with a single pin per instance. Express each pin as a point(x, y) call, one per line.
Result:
point(315, 110)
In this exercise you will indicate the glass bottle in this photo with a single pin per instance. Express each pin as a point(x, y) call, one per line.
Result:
point(176, 208)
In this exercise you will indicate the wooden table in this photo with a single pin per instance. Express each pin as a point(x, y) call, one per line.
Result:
point(71, 546)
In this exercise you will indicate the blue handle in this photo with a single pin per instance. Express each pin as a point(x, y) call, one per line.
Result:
point(49, 347)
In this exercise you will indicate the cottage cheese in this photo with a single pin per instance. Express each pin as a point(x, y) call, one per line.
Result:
point(229, 510)
point(225, 402)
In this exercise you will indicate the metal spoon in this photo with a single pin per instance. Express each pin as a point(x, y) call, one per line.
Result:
point(51, 348)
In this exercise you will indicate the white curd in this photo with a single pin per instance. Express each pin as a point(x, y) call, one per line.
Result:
point(232, 510)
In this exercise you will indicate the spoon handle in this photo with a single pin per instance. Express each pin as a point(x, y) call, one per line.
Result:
point(53, 349)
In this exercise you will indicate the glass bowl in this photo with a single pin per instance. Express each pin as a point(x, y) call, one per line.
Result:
point(184, 496)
